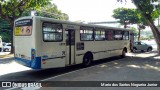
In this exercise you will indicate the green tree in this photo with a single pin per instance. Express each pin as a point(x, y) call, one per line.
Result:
point(6, 36)
point(5, 30)
point(4, 25)
point(12, 9)
point(134, 30)
point(126, 16)
point(149, 12)
point(130, 16)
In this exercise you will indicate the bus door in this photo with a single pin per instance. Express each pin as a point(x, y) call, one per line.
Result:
point(70, 46)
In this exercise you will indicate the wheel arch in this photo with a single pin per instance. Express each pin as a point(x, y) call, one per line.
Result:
point(125, 49)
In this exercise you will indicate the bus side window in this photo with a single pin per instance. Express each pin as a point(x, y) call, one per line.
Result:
point(86, 34)
point(99, 34)
point(118, 35)
point(52, 32)
point(109, 35)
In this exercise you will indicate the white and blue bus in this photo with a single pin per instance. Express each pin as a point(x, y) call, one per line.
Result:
point(42, 42)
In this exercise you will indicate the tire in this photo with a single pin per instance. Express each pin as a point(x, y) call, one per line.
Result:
point(6, 50)
point(134, 49)
point(149, 49)
point(123, 53)
point(87, 60)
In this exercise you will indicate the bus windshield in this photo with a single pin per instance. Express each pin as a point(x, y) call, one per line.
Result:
point(23, 27)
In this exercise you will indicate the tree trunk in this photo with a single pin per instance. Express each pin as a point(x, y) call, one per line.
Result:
point(156, 34)
point(12, 48)
point(139, 34)
point(125, 24)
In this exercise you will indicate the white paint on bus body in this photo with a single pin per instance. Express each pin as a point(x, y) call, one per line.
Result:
point(54, 53)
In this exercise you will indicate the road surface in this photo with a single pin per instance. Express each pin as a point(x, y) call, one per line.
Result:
point(135, 67)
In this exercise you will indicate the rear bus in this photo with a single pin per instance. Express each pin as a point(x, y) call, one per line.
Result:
point(25, 42)
point(38, 42)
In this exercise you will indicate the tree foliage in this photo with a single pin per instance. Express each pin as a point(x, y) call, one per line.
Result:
point(6, 36)
point(134, 31)
point(49, 10)
point(5, 30)
point(126, 16)
point(150, 12)
point(130, 16)
point(4, 25)
point(12, 9)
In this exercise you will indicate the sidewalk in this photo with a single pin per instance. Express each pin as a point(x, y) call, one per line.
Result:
point(6, 55)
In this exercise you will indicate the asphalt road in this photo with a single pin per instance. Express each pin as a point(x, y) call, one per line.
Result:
point(135, 67)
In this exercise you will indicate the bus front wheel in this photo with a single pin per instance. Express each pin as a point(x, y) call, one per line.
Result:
point(87, 59)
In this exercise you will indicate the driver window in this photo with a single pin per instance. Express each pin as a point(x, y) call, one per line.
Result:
point(138, 43)
point(143, 44)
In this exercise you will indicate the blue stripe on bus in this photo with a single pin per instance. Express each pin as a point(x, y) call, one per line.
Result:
point(35, 64)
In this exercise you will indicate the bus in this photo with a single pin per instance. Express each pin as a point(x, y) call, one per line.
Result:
point(41, 42)
point(1, 44)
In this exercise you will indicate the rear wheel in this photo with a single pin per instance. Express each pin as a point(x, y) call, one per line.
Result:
point(142, 50)
point(87, 59)
point(149, 49)
point(124, 53)
point(134, 49)
point(6, 50)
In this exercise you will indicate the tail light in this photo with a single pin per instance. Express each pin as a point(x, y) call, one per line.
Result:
point(43, 61)
point(32, 57)
point(33, 54)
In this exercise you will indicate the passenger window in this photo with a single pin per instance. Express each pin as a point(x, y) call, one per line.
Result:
point(118, 35)
point(138, 43)
point(52, 32)
point(99, 34)
point(86, 34)
point(109, 35)
point(9, 45)
point(143, 43)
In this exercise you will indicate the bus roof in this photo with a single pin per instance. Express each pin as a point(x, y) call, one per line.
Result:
point(69, 22)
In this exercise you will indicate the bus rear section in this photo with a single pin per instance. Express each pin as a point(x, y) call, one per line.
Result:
point(24, 43)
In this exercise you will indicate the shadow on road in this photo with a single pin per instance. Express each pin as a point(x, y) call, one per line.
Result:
point(146, 52)
point(34, 75)
point(6, 60)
